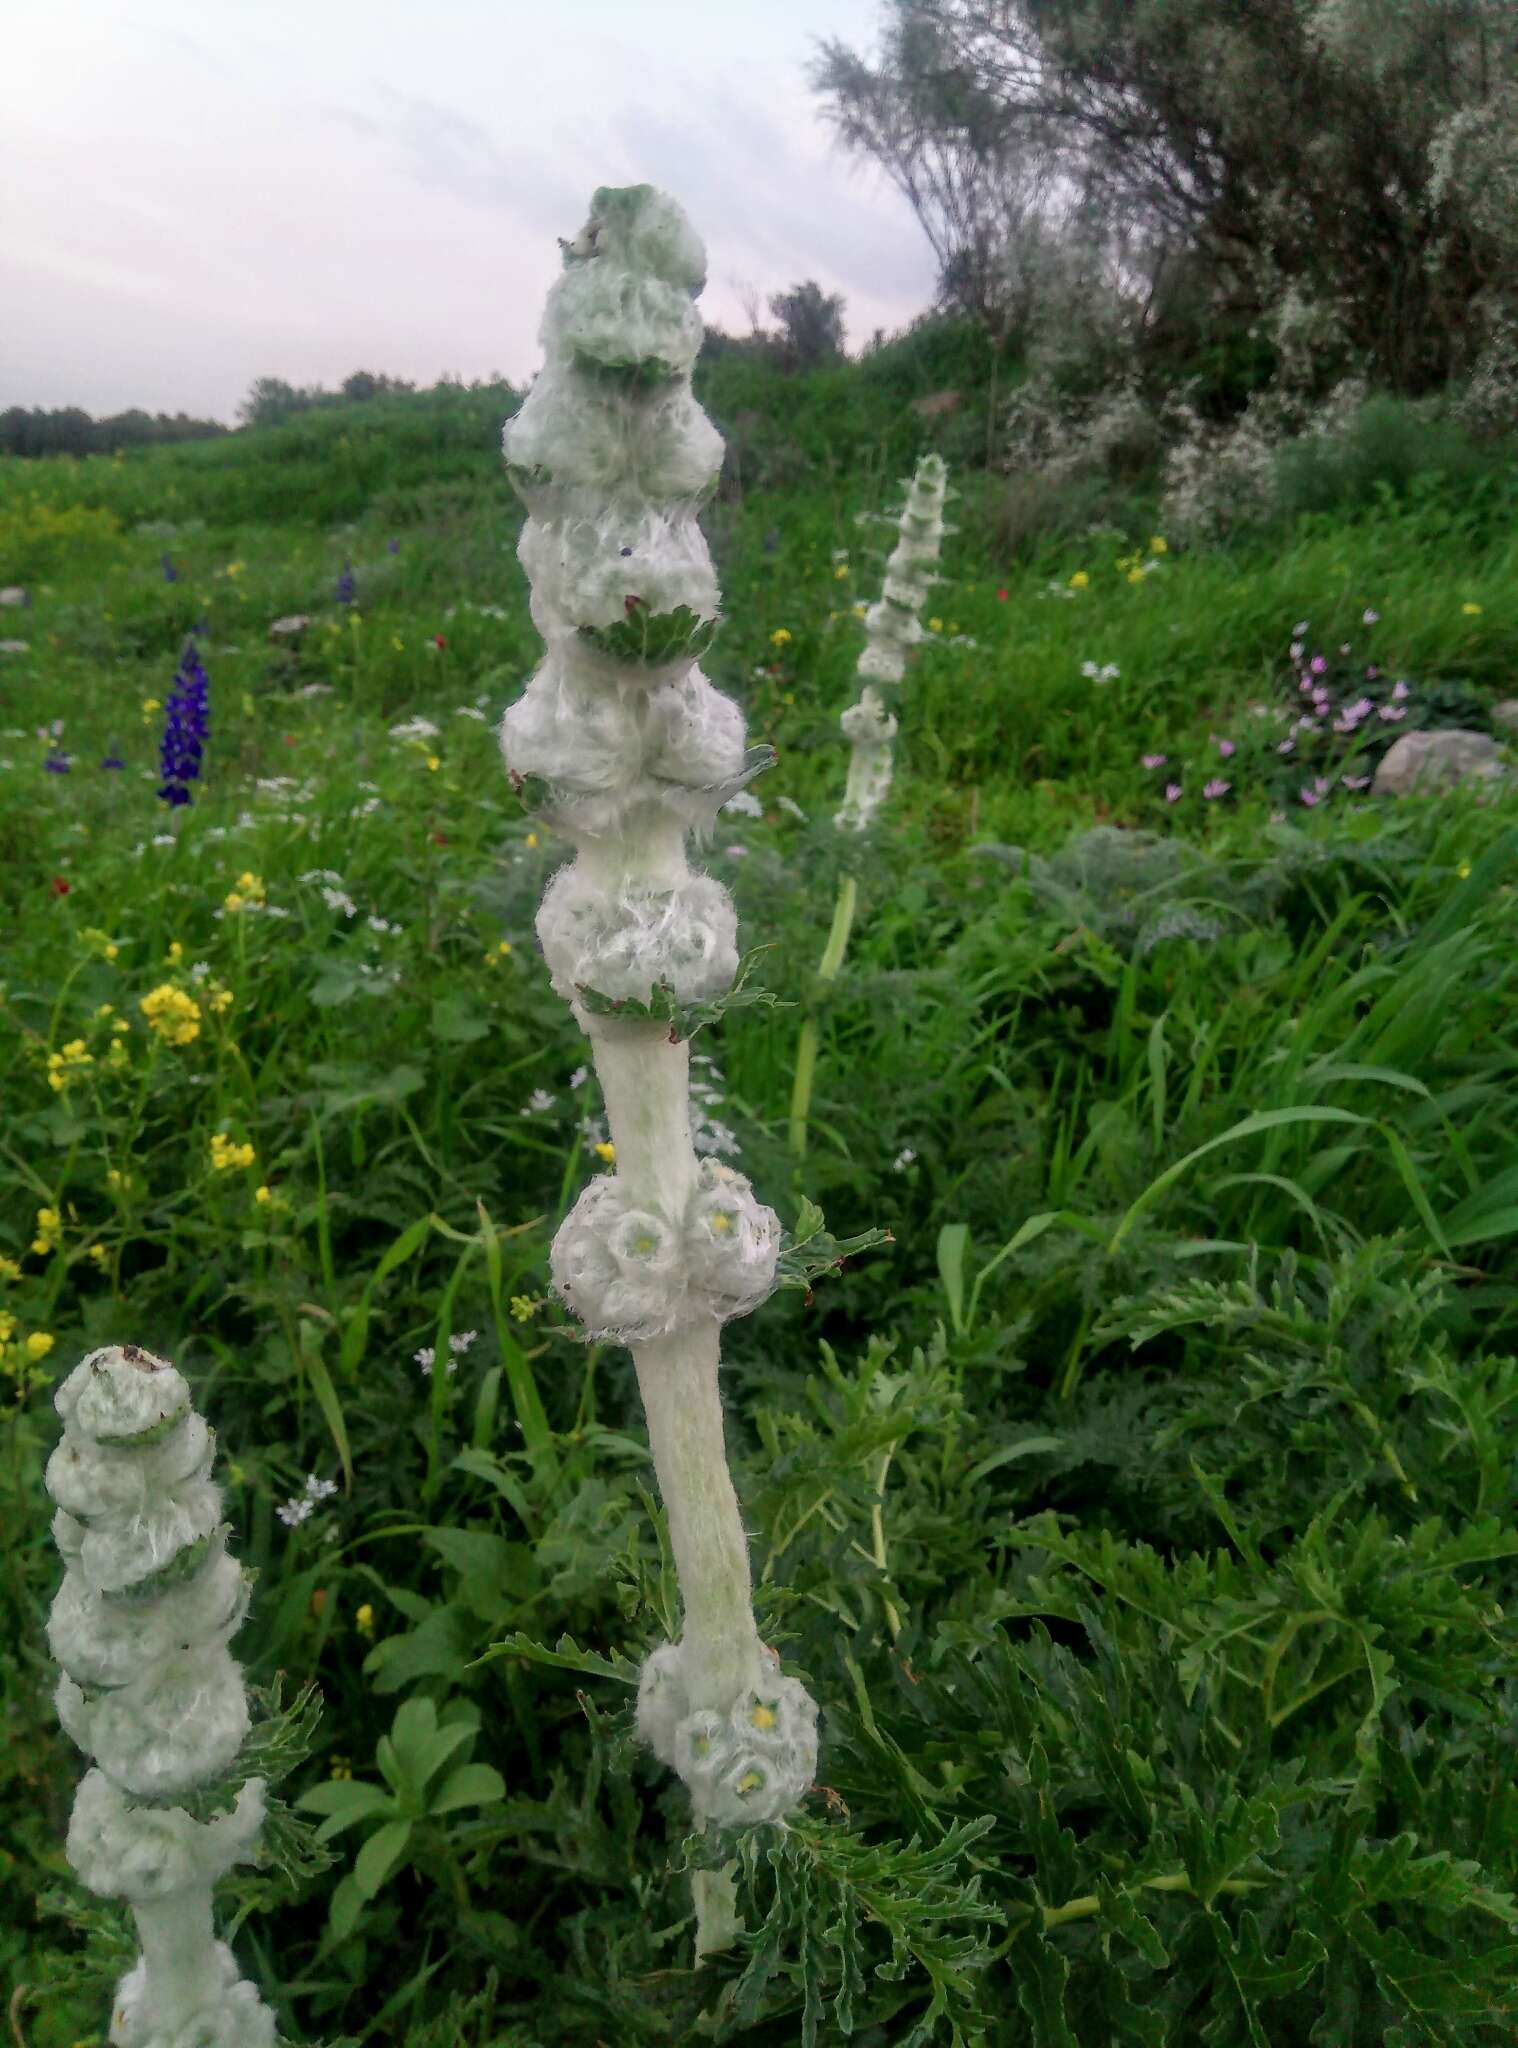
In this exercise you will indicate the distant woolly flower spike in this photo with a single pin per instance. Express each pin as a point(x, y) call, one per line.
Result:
point(892, 629)
point(149, 1602)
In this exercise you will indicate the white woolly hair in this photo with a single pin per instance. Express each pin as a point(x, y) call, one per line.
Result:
point(604, 749)
point(165, 1734)
point(88, 1478)
point(601, 568)
point(146, 1853)
point(624, 945)
point(101, 1641)
point(234, 2017)
point(572, 442)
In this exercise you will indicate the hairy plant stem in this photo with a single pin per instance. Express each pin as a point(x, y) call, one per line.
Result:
point(828, 969)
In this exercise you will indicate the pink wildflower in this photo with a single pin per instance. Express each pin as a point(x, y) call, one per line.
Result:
point(1154, 760)
point(1392, 713)
point(1172, 792)
point(1225, 747)
point(1217, 787)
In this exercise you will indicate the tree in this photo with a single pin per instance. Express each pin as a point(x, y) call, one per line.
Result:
point(1329, 144)
point(811, 325)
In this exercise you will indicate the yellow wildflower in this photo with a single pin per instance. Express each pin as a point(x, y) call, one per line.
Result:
point(219, 998)
point(525, 1306)
point(935, 625)
point(608, 1153)
point(1159, 545)
point(9, 1268)
point(49, 1226)
point(503, 947)
point(532, 840)
point(840, 574)
point(1464, 871)
point(62, 1066)
point(99, 1254)
point(363, 1621)
point(105, 1010)
point(172, 1013)
point(1135, 575)
point(114, 1177)
point(861, 611)
point(397, 643)
point(1079, 580)
point(433, 763)
point(225, 1155)
point(150, 705)
point(263, 1194)
point(341, 1768)
point(1472, 611)
point(235, 568)
point(39, 1344)
point(780, 637)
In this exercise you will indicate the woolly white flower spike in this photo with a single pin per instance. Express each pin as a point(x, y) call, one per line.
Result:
point(149, 1601)
point(892, 629)
point(622, 744)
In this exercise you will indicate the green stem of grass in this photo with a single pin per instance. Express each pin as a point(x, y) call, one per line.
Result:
point(807, 1045)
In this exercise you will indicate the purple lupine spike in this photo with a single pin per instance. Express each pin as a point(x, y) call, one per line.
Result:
point(170, 573)
point(187, 719)
point(346, 587)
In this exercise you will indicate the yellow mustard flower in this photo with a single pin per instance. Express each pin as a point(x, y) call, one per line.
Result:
point(531, 841)
point(1079, 580)
point(175, 953)
point(433, 763)
point(525, 1306)
point(363, 1621)
point(172, 1013)
point(49, 1229)
point(150, 705)
point(1472, 611)
point(225, 1155)
point(10, 1269)
point(99, 1254)
point(780, 637)
point(935, 625)
point(263, 1194)
point(39, 1344)
point(1159, 545)
point(608, 1153)
point(840, 574)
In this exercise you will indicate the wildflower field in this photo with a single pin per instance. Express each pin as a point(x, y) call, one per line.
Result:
point(1141, 1516)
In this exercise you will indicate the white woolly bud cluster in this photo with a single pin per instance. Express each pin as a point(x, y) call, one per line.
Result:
point(621, 743)
point(149, 1602)
point(892, 629)
point(752, 1763)
point(631, 1275)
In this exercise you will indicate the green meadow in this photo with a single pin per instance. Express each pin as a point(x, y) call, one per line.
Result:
point(1142, 1515)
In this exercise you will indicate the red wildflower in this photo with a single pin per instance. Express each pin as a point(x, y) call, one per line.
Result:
point(60, 887)
point(438, 640)
point(1001, 596)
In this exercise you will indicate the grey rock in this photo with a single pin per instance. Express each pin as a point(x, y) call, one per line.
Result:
point(1426, 761)
point(13, 594)
point(1505, 714)
point(14, 646)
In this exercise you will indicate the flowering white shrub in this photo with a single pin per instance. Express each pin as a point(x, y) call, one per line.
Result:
point(149, 1602)
point(623, 746)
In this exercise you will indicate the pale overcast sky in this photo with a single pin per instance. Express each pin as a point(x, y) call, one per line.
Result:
point(195, 193)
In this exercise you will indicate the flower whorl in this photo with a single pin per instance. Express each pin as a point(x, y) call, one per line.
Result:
point(631, 1276)
point(149, 1602)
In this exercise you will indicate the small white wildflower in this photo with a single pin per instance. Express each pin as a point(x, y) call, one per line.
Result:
point(744, 805)
point(339, 899)
point(904, 1158)
point(323, 875)
point(538, 1101)
point(578, 1078)
point(468, 711)
point(163, 839)
point(381, 924)
point(319, 1489)
point(459, 1344)
point(293, 1512)
point(415, 729)
point(200, 970)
